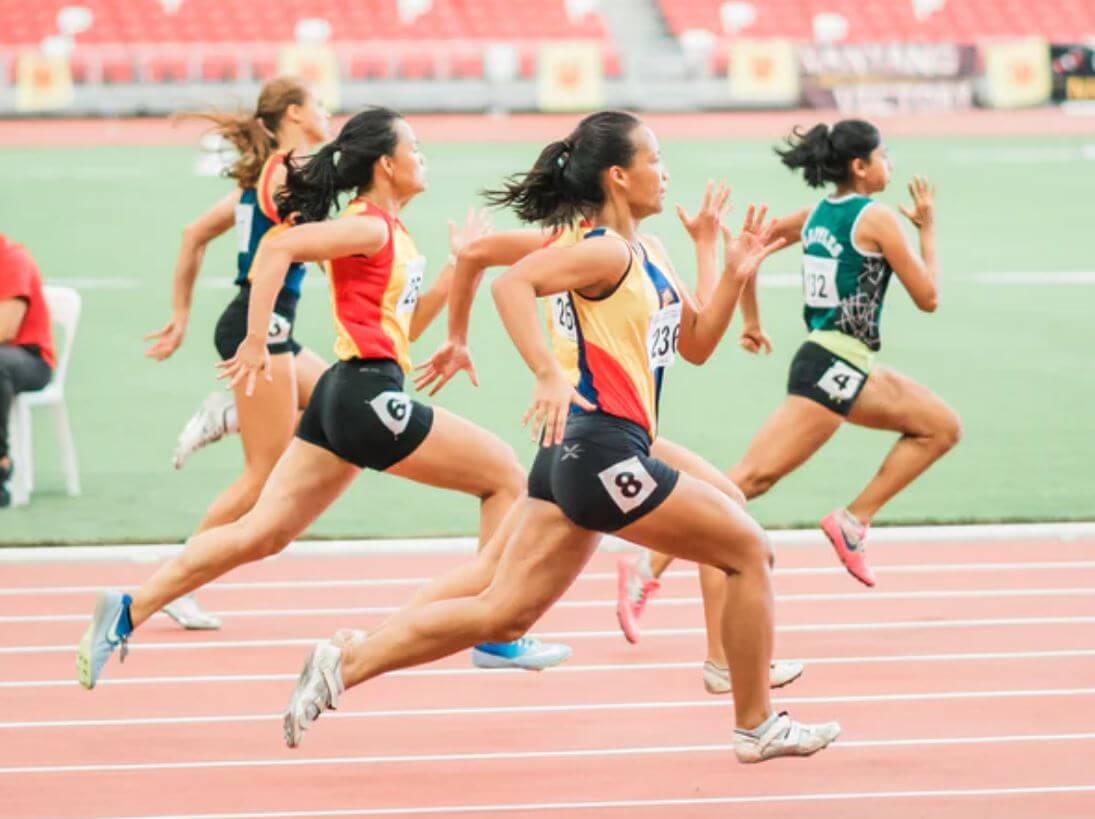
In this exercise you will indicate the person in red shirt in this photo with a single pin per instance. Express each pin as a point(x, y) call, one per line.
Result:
point(26, 340)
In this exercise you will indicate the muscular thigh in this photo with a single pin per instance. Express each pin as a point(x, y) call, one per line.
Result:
point(687, 461)
point(458, 454)
point(268, 416)
point(794, 432)
point(895, 402)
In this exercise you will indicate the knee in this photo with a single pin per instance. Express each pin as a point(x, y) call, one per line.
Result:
point(753, 481)
point(510, 621)
point(949, 432)
point(508, 477)
point(258, 540)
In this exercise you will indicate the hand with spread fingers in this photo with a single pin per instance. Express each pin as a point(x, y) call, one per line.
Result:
point(551, 400)
point(704, 226)
point(251, 360)
point(743, 254)
point(922, 213)
point(476, 224)
point(449, 359)
point(168, 338)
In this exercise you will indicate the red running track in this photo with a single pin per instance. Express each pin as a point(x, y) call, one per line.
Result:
point(965, 684)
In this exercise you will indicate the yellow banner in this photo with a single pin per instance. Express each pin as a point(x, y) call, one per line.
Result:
point(42, 83)
point(317, 65)
point(1017, 73)
point(764, 71)
point(570, 77)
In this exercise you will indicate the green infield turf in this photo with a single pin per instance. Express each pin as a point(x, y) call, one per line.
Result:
point(1010, 347)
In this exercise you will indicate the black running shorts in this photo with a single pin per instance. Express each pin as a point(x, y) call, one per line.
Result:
point(359, 412)
point(825, 378)
point(232, 325)
point(602, 476)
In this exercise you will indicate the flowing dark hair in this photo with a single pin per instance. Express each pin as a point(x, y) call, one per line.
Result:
point(825, 154)
point(564, 183)
point(313, 184)
point(254, 134)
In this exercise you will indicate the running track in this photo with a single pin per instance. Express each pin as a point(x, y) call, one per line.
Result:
point(965, 684)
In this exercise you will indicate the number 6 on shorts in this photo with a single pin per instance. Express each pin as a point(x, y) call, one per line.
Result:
point(628, 483)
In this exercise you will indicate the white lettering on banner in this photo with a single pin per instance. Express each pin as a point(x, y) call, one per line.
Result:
point(408, 299)
point(819, 281)
point(245, 216)
point(886, 60)
point(628, 483)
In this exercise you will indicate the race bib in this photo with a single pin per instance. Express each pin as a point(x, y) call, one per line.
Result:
point(393, 409)
point(562, 317)
point(408, 299)
point(662, 336)
point(245, 215)
point(819, 281)
point(279, 329)
point(627, 483)
point(841, 382)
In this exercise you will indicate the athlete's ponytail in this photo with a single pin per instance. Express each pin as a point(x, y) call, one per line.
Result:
point(254, 134)
point(825, 154)
point(564, 183)
point(313, 184)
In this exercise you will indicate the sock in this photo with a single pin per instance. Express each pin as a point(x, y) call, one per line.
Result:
point(760, 729)
point(643, 565)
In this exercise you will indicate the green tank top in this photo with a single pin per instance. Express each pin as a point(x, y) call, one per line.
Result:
point(842, 284)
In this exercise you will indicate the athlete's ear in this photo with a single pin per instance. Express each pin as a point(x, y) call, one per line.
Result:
point(859, 167)
point(292, 112)
point(618, 175)
point(387, 164)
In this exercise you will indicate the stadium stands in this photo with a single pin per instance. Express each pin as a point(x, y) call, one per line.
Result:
point(225, 40)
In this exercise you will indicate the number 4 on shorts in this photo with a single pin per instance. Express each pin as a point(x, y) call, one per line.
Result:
point(627, 483)
point(841, 381)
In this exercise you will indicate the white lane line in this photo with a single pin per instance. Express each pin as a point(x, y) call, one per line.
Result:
point(892, 625)
point(490, 756)
point(563, 669)
point(953, 536)
point(615, 804)
point(370, 582)
point(710, 702)
point(809, 597)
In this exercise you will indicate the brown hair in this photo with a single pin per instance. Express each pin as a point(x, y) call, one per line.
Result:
point(254, 134)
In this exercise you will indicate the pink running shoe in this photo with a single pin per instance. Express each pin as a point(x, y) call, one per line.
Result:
point(633, 590)
point(848, 537)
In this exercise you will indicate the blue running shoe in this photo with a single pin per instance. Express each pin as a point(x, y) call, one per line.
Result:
point(109, 629)
point(527, 653)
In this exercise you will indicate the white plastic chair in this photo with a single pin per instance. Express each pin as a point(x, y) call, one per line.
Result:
point(64, 308)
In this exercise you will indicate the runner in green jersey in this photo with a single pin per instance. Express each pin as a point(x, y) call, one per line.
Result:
point(851, 247)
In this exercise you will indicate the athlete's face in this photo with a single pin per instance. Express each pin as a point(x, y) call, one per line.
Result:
point(313, 119)
point(645, 180)
point(407, 164)
point(875, 171)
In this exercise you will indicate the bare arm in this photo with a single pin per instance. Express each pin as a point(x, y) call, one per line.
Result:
point(11, 316)
point(753, 338)
point(311, 242)
point(702, 327)
point(196, 237)
point(476, 226)
point(919, 273)
point(594, 264)
point(704, 231)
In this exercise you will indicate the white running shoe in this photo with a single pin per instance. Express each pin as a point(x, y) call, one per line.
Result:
point(784, 737)
point(716, 679)
point(528, 653)
point(317, 691)
point(215, 418)
point(188, 613)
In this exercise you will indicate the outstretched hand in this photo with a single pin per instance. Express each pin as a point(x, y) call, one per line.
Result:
point(476, 224)
point(251, 359)
point(744, 253)
point(922, 213)
point(704, 226)
point(449, 359)
point(167, 339)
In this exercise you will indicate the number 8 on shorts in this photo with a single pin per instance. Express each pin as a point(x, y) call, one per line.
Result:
point(628, 484)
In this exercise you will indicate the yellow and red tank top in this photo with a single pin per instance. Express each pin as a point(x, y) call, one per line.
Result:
point(628, 337)
point(374, 297)
point(558, 310)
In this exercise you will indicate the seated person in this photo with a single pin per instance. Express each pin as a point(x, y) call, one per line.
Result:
point(26, 341)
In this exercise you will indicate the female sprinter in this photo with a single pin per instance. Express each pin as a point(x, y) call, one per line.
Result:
point(508, 248)
point(594, 472)
point(288, 118)
point(851, 246)
point(359, 416)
